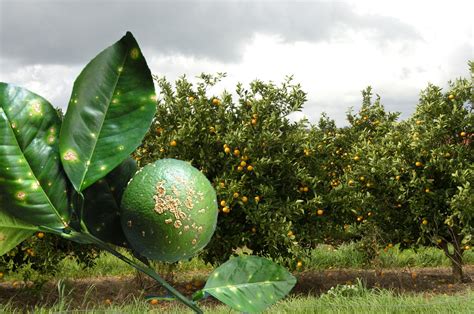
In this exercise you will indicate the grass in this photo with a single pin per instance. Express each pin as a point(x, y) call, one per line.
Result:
point(349, 256)
point(341, 299)
point(321, 258)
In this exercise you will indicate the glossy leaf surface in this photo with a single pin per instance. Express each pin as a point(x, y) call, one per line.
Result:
point(32, 182)
point(249, 283)
point(102, 203)
point(111, 108)
point(13, 232)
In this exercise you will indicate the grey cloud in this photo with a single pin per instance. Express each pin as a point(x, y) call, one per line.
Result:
point(70, 32)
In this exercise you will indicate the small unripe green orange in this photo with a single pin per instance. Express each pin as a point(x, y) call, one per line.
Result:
point(169, 211)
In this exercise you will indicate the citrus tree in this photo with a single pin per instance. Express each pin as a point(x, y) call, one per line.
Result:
point(412, 180)
point(255, 157)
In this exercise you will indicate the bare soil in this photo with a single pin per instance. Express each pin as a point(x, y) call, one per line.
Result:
point(120, 289)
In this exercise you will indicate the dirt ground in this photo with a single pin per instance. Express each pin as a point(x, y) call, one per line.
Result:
point(118, 289)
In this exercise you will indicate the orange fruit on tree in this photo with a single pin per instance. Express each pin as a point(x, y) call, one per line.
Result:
point(245, 199)
point(227, 150)
point(299, 264)
point(249, 167)
point(451, 97)
point(40, 235)
point(418, 164)
point(216, 102)
point(173, 143)
point(154, 301)
point(320, 212)
point(236, 194)
point(223, 203)
point(463, 134)
point(257, 199)
point(424, 222)
point(236, 152)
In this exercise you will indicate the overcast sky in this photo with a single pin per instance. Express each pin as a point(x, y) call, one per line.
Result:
point(333, 48)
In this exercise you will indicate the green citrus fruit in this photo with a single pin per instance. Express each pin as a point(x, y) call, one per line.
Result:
point(169, 211)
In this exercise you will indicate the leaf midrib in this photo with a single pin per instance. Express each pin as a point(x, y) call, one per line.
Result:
point(259, 283)
point(103, 120)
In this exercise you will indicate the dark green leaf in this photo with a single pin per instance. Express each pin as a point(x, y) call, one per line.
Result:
point(249, 283)
point(12, 232)
point(32, 183)
point(111, 108)
point(102, 203)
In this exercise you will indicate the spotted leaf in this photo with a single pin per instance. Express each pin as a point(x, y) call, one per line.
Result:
point(249, 283)
point(111, 108)
point(32, 182)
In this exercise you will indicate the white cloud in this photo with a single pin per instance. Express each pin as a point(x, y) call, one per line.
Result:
point(332, 71)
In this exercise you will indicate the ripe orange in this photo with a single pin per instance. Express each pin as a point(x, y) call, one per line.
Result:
point(290, 233)
point(40, 235)
point(299, 264)
point(108, 301)
point(320, 212)
point(226, 210)
point(451, 97)
point(257, 199)
point(427, 190)
point(418, 164)
point(466, 248)
point(227, 150)
point(249, 167)
point(222, 184)
point(462, 134)
point(240, 168)
point(254, 121)
point(362, 178)
point(356, 158)
point(154, 301)
point(254, 229)
point(244, 199)
point(236, 152)
point(305, 189)
point(424, 222)
point(173, 143)
point(397, 178)
point(418, 122)
point(243, 163)
point(236, 194)
point(223, 203)
point(190, 98)
point(245, 158)
point(360, 218)
point(216, 102)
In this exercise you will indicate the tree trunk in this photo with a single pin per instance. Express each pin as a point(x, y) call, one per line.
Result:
point(456, 262)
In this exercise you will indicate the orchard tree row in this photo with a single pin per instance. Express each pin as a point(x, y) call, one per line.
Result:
point(284, 187)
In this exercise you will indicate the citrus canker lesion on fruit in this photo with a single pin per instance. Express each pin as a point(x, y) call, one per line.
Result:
point(177, 207)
